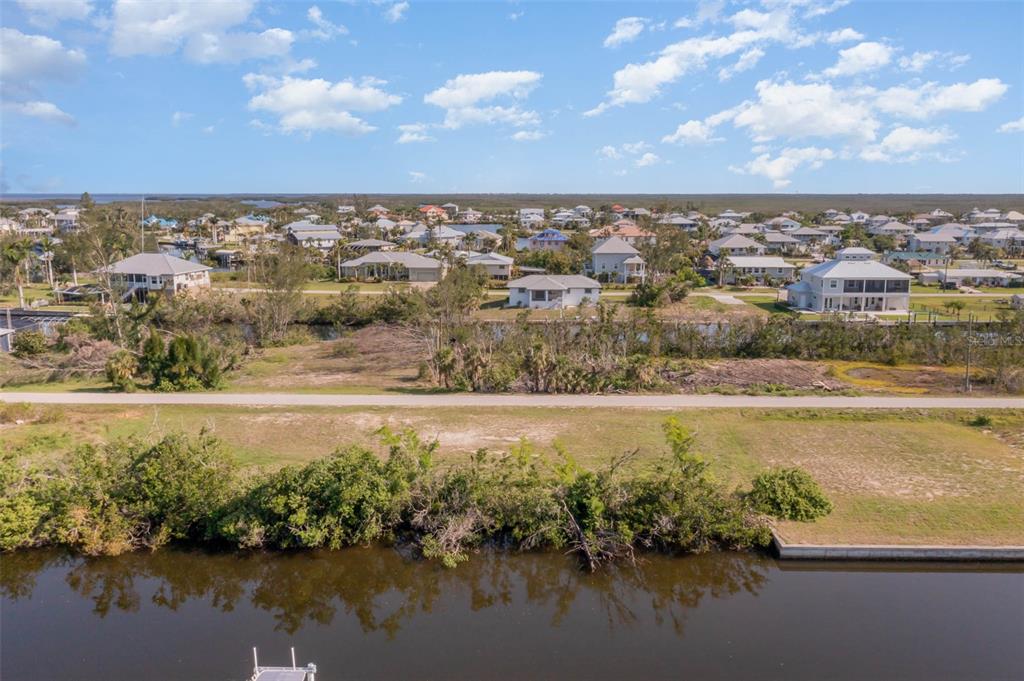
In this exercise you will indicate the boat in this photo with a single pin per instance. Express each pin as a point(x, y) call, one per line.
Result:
point(292, 673)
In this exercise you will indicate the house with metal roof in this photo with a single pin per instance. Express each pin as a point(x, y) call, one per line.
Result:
point(140, 275)
point(762, 269)
point(853, 282)
point(547, 240)
point(613, 259)
point(932, 242)
point(498, 266)
point(736, 244)
point(553, 291)
point(368, 245)
point(394, 266)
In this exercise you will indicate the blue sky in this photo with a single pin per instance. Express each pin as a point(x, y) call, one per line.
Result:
point(769, 96)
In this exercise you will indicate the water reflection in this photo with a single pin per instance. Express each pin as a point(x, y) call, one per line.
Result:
point(382, 589)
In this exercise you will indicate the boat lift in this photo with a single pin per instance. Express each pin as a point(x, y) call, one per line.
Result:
point(293, 673)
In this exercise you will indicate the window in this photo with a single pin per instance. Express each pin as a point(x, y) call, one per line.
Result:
point(538, 295)
point(833, 283)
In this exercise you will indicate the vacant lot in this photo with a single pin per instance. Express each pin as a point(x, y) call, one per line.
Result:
point(895, 476)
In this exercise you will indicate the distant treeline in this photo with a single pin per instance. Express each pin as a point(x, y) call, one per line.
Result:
point(707, 203)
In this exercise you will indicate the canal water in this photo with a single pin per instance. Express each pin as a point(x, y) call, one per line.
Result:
point(374, 614)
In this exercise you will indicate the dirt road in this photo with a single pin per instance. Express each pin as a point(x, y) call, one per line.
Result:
point(478, 400)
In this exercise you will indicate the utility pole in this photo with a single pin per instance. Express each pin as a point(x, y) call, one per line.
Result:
point(970, 337)
point(142, 227)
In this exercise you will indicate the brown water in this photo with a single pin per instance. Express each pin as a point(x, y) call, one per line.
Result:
point(372, 614)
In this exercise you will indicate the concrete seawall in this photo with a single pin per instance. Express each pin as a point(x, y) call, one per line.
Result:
point(888, 552)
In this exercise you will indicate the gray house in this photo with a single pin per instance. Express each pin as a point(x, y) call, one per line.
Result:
point(616, 260)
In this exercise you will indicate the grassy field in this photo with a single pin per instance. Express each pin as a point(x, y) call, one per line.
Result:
point(983, 309)
point(895, 476)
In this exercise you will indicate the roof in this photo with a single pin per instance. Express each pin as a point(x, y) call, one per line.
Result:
point(548, 282)
point(489, 259)
point(370, 243)
point(403, 258)
point(155, 264)
point(938, 237)
point(780, 238)
point(614, 246)
point(758, 261)
point(855, 250)
point(855, 269)
point(549, 235)
point(979, 274)
point(735, 241)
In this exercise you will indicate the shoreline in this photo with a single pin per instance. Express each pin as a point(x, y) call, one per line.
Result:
point(894, 552)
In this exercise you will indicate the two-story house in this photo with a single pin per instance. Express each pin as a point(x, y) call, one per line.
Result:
point(614, 260)
point(853, 282)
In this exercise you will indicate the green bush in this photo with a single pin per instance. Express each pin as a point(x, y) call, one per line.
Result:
point(28, 344)
point(790, 494)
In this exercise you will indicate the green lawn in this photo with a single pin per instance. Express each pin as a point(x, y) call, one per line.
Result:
point(894, 476)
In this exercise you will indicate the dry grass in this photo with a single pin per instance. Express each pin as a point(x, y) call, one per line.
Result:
point(895, 476)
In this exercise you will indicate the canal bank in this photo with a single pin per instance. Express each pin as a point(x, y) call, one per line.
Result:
point(882, 552)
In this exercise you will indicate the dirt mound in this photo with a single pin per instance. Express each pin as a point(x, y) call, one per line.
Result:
point(775, 374)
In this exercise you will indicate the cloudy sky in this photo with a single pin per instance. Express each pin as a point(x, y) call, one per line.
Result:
point(383, 96)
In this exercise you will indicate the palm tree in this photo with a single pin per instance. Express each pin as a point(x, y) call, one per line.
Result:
point(16, 254)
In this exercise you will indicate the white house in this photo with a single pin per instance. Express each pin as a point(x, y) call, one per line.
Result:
point(552, 291)
point(851, 282)
point(497, 266)
point(531, 217)
point(394, 266)
point(615, 260)
point(67, 220)
point(441, 234)
point(735, 244)
point(139, 275)
point(779, 242)
point(929, 242)
point(972, 277)
point(761, 268)
point(368, 245)
point(1010, 239)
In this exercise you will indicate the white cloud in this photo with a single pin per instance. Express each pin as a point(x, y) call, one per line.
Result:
point(529, 135)
point(1012, 126)
point(904, 144)
point(515, 16)
point(209, 130)
point(160, 27)
point(396, 12)
point(928, 99)
point(413, 132)
point(609, 152)
point(692, 132)
point(859, 59)
point(747, 61)
point(325, 29)
point(47, 13)
point(461, 96)
point(919, 61)
point(469, 89)
point(806, 110)
point(635, 147)
point(817, 9)
point(625, 30)
point(780, 168)
point(916, 62)
point(45, 111)
point(230, 48)
point(843, 35)
point(179, 117)
point(640, 83)
point(416, 176)
point(648, 159)
point(307, 105)
point(26, 59)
